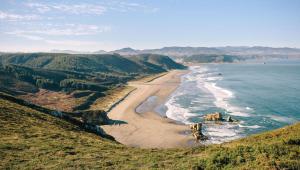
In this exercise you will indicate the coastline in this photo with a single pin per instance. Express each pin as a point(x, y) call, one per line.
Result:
point(149, 129)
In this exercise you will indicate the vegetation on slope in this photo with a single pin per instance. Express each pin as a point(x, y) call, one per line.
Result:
point(91, 63)
point(33, 140)
point(155, 61)
point(212, 58)
point(17, 78)
point(22, 73)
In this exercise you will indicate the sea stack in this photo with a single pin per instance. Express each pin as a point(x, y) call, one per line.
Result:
point(197, 131)
point(217, 116)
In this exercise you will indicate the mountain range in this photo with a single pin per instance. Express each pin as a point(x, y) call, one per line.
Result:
point(177, 51)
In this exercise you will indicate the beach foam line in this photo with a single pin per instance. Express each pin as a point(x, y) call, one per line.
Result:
point(222, 96)
point(221, 133)
point(175, 112)
point(249, 108)
point(238, 113)
point(281, 119)
point(251, 127)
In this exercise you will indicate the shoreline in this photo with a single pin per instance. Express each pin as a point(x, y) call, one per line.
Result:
point(149, 129)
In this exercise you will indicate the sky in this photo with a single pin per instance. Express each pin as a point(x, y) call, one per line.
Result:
point(91, 25)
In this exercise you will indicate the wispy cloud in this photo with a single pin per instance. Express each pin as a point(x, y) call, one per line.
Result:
point(122, 6)
point(16, 17)
point(62, 30)
point(71, 42)
point(31, 37)
point(82, 8)
point(92, 9)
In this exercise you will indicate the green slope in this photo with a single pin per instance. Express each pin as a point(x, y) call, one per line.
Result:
point(157, 62)
point(70, 72)
point(34, 140)
point(91, 63)
point(212, 58)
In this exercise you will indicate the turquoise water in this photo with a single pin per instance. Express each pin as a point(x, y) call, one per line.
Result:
point(261, 96)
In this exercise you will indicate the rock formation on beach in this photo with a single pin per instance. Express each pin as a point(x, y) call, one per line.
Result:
point(197, 131)
point(217, 116)
point(229, 119)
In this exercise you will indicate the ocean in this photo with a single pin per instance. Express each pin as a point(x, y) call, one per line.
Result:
point(261, 96)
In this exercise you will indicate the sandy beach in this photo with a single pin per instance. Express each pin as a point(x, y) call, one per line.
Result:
point(148, 130)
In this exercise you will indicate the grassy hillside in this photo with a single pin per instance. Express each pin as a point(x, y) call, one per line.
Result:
point(26, 72)
point(91, 63)
point(33, 140)
point(155, 61)
point(91, 75)
point(26, 79)
point(212, 58)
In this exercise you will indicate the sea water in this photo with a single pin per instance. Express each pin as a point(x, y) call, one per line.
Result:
point(262, 96)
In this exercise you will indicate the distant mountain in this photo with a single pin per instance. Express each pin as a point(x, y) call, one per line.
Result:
point(78, 52)
point(183, 51)
point(244, 51)
point(258, 50)
point(212, 58)
point(126, 51)
point(169, 51)
point(69, 51)
point(99, 52)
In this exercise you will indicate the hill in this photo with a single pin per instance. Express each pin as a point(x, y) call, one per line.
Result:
point(212, 58)
point(69, 72)
point(244, 52)
point(77, 79)
point(157, 62)
point(90, 63)
point(31, 140)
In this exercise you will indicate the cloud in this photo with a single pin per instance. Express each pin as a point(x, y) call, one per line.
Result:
point(82, 8)
point(31, 37)
point(16, 17)
point(121, 6)
point(92, 9)
point(62, 30)
point(71, 42)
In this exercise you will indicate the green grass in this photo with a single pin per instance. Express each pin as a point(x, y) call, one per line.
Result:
point(34, 140)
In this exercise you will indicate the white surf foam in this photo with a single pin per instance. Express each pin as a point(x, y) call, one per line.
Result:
point(176, 112)
point(249, 108)
point(281, 119)
point(206, 81)
point(222, 96)
point(221, 133)
point(251, 127)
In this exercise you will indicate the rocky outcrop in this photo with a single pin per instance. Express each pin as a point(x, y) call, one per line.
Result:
point(95, 117)
point(217, 116)
point(230, 119)
point(197, 131)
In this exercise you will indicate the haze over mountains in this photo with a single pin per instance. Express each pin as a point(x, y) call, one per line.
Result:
point(177, 51)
